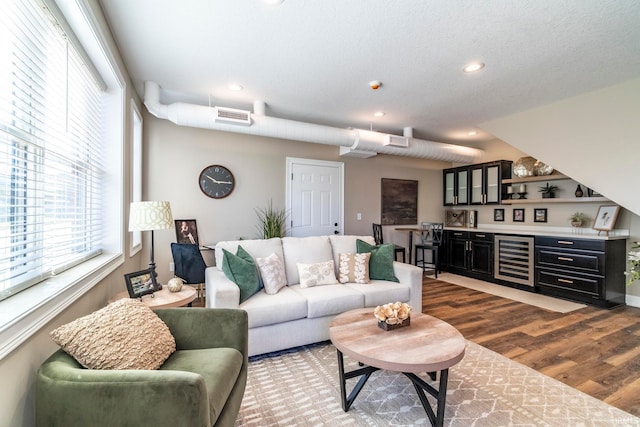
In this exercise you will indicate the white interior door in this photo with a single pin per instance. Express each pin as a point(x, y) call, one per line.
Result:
point(315, 197)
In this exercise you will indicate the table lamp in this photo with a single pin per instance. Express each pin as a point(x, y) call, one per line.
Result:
point(150, 216)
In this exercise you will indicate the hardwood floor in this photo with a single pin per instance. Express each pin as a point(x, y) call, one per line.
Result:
point(591, 349)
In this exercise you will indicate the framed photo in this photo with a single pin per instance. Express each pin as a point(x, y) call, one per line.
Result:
point(141, 283)
point(518, 215)
point(498, 214)
point(606, 218)
point(540, 215)
point(455, 218)
point(186, 231)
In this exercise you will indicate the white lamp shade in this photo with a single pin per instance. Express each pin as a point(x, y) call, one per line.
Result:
point(145, 216)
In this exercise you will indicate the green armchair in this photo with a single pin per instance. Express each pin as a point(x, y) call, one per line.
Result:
point(201, 384)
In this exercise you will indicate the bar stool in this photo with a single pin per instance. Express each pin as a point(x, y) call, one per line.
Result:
point(377, 236)
point(430, 240)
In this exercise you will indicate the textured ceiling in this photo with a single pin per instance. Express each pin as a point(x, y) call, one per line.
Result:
point(311, 60)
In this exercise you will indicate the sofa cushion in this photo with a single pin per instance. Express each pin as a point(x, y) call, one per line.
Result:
point(306, 250)
point(380, 292)
point(219, 367)
point(271, 269)
point(256, 248)
point(263, 309)
point(111, 338)
point(341, 244)
point(330, 299)
point(354, 268)
point(381, 262)
point(317, 274)
point(241, 269)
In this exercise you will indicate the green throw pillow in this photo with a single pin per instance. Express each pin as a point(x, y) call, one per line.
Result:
point(241, 270)
point(381, 261)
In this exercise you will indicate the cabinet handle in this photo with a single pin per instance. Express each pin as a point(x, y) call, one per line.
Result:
point(566, 281)
point(455, 200)
point(481, 235)
point(470, 246)
point(457, 234)
point(565, 242)
point(564, 258)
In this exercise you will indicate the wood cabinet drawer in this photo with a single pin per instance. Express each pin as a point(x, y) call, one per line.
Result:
point(589, 285)
point(570, 243)
point(582, 261)
point(457, 234)
point(484, 237)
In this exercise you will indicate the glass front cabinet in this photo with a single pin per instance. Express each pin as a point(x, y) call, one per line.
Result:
point(456, 186)
point(479, 184)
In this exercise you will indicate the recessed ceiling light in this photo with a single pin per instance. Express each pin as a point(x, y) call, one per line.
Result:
point(378, 114)
point(472, 133)
point(273, 2)
point(473, 67)
point(235, 87)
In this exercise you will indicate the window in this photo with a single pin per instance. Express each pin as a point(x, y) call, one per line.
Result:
point(136, 172)
point(51, 149)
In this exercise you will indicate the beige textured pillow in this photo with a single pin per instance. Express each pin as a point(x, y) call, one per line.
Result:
point(272, 273)
point(320, 273)
point(354, 268)
point(126, 334)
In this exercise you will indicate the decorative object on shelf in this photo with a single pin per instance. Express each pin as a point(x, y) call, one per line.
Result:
point(579, 192)
point(634, 259)
point(150, 216)
point(498, 215)
point(271, 222)
point(509, 192)
point(606, 218)
point(175, 284)
point(518, 215)
point(393, 315)
point(542, 169)
point(186, 231)
point(141, 283)
point(473, 218)
point(577, 219)
point(216, 181)
point(522, 191)
point(548, 191)
point(454, 218)
point(523, 167)
point(540, 215)
point(592, 193)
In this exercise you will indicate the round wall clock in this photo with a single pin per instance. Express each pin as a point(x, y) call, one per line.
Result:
point(216, 181)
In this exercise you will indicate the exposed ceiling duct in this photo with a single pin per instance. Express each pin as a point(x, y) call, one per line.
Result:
point(355, 142)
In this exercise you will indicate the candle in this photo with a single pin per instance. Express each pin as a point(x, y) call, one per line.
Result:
point(510, 190)
point(523, 188)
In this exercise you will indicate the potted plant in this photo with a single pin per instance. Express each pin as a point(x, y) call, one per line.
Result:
point(271, 221)
point(577, 218)
point(548, 191)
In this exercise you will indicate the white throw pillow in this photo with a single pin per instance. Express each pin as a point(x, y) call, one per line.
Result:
point(354, 268)
point(320, 273)
point(272, 272)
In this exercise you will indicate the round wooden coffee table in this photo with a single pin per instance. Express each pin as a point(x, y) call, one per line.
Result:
point(164, 297)
point(427, 345)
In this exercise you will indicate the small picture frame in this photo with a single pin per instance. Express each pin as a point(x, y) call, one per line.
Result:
point(540, 215)
point(455, 218)
point(518, 215)
point(186, 231)
point(141, 283)
point(498, 215)
point(606, 218)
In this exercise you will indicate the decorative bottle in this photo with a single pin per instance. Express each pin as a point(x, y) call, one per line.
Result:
point(579, 192)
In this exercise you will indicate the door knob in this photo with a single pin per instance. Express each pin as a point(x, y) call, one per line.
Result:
point(335, 224)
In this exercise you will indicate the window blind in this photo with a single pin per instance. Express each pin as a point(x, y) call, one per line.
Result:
point(51, 147)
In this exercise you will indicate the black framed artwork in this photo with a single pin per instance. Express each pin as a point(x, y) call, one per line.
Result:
point(540, 215)
point(498, 215)
point(141, 283)
point(518, 215)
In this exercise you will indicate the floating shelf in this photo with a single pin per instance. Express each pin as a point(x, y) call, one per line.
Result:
point(556, 200)
point(553, 177)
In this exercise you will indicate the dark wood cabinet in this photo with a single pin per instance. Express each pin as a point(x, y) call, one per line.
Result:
point(586, 270)
point(456, 186)
point(469, 253)
point(479, 184)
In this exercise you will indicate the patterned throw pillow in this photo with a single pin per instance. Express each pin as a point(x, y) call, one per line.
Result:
point(321, 273)
point(354, 268)
point(272, 272)
point(111, 338)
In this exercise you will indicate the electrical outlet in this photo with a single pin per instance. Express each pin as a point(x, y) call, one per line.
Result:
point(359, 216)
point(172, 266)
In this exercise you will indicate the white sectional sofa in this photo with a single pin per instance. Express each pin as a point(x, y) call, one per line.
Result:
point(296, 315)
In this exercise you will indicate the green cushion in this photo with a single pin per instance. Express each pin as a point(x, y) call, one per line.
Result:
point(381, 261)
point(241, 270)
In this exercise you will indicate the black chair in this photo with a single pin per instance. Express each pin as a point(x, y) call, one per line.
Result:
point(430, 240)
point(377, 236)
point(189, 265)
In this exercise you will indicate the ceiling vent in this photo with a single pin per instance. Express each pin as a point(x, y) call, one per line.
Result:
point(397, 141)
point(231, 115)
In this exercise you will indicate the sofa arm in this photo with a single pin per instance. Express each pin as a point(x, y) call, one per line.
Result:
point(220, 291)
point(195, 328)
point(412, 276)
point(69, 395)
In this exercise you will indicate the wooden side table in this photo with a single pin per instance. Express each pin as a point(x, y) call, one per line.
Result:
point(164, 297)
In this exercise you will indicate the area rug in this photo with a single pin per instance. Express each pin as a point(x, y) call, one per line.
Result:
point(299, 387)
